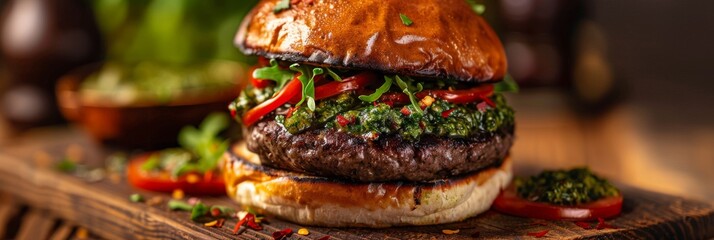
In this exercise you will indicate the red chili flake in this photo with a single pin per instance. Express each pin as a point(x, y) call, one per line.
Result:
point(422, 125)
point(239, 227)
point(324, 238)
point(539, 234)
point(220, 223)
point(375, 103)
point(584, 225)
point(291, 111)
point(282, 233)
point(602, 225)
point(406, 111)
point(482, 106)
point(342, 120)
point(488, 101)
point(447, 113)
point(215, 212)
point(248, 220)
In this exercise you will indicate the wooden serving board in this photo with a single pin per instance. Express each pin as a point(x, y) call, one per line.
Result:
point(104, 207)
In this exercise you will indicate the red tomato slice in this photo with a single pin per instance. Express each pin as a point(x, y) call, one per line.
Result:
point(291, 89)
point(509, 202)
point(208, 184)
point(460, 96)
point(334, 88)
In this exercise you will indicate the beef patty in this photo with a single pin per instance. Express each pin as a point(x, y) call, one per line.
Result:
point(332, 153)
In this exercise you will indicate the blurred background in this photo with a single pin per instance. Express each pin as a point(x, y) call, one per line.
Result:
point(620, 86)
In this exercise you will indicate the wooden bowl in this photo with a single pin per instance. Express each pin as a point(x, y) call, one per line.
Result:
point(147, 125)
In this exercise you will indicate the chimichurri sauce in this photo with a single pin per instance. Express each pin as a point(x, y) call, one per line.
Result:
point(370, 120)
point(565, 187)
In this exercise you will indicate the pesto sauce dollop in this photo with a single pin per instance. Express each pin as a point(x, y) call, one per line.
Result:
point(370, 120)
point(565, 187)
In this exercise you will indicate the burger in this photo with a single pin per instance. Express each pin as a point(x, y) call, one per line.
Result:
point(371, 113)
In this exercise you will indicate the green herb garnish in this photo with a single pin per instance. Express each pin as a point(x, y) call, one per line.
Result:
point(333, 75)
point(199, 212)
point(477, 7)
point(405, 20)
point(565, 187)
point(174, 205)
point(378, 93)
point(136, 197)
point(204, 143)
point(507, 85)
point(274, 73)
point(307, 79)
point(66, 165)
point(282, 5)
point(410, 90)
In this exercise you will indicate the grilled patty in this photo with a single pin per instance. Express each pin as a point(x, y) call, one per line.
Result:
point(332, 153)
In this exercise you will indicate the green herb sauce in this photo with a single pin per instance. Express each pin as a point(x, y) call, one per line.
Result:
point(372, 120)
point(565, 187)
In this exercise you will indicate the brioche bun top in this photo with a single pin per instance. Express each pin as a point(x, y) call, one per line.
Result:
point(446, 40)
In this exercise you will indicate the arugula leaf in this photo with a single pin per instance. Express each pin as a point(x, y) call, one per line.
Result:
point(203, 143)
point(333, 75)
point(405, 20)
point(282, 5)
point(153, 162)
point(307, 79)
point(477, 7)
point(507, 85)
point(199, 211)
point(378, 93)
point(410, 90)
point(274, 73)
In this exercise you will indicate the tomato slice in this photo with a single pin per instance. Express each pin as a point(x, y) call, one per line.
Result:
point(291, 89)
point(334, 88)
point(509, 202)
point(258, 83)
point(207, 184)
point(460, 96)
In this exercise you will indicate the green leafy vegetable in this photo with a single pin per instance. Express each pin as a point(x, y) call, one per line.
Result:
point(507, 85)
point(153, 162)
point(477, 7)
point(333, 75)
point(136, 197)
point(405, 20)
point(378, 93)
point(307, 79)
point(410, 90)
point(274, 73)
point(203, 143)
point(282, 5)
point(199, 211)
point(179, 205)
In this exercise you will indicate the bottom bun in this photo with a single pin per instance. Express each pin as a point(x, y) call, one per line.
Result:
point(320, 201)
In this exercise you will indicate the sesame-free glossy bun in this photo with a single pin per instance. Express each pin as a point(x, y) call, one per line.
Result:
point(321, 201)
point(446, 40)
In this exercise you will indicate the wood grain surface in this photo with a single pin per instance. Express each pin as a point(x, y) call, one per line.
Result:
point(104, 208)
